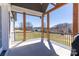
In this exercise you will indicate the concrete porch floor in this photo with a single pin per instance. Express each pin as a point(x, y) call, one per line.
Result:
point(37, 47)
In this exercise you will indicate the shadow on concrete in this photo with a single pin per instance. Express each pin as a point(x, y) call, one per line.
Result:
point(36, 49)
point(52, 51)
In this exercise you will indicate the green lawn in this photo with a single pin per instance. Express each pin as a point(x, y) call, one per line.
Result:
point(29, 35)
point(55, 37)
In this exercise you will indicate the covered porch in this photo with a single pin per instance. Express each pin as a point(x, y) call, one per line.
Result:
point(43, 42)
point(43, 45)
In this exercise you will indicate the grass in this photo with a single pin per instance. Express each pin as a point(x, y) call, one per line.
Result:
point(55, 37)
point(63, 39)
point(29, 35)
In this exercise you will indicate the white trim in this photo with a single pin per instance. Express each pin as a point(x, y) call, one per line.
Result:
point(27, 11)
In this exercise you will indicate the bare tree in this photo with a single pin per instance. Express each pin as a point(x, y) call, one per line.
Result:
point(29, 26)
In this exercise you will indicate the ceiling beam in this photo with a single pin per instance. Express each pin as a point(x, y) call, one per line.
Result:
point(56, 7)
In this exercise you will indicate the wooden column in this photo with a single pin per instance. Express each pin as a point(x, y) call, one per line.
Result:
point(24, 26)
point(42, 25)
point(75, 18)
point(48, 27)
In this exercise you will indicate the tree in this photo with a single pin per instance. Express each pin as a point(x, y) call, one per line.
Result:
point(21, 25)
point(29, 26)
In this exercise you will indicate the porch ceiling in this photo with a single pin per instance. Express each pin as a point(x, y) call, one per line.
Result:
point(36, 9)
point(33, 6)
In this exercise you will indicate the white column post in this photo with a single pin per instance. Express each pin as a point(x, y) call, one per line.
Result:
point(5, 26)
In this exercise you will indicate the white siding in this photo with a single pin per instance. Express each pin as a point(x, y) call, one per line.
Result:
point(5, 26)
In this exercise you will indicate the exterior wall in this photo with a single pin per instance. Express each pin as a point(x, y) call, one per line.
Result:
point(5, 26)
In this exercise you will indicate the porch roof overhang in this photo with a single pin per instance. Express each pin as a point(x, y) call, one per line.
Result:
point(36, 9)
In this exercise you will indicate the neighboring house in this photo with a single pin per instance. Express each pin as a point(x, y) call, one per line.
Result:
point(37, 29)
point(62, 28)
point(59, 28)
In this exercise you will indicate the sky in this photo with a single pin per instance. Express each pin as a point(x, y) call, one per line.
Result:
point(61, 15)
